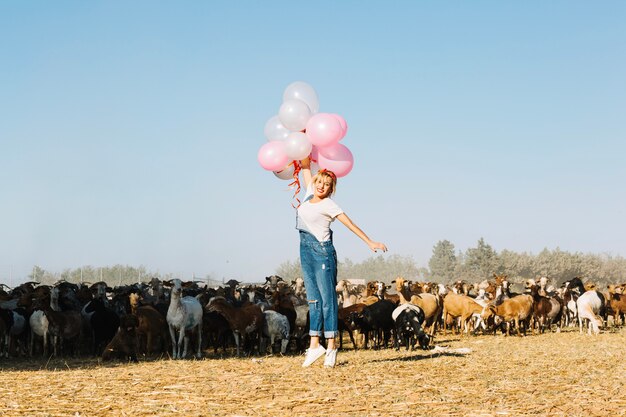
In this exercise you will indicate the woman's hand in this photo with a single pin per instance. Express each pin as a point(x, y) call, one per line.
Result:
point(375, 246)
point(305, 163)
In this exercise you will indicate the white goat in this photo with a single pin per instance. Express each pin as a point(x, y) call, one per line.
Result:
point(39, 326)
point(343, 288)
point(184, 313)
point(299, 288)
point(589, 305)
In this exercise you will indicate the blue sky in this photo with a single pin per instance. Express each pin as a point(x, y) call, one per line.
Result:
point(129, 130)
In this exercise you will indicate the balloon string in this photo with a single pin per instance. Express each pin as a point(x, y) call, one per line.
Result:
point(296, 183)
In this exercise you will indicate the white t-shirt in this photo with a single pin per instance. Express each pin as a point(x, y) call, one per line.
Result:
point(315, 218)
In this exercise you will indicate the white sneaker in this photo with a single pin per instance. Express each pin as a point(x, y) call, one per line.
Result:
point(331, 358)
point(313, 354)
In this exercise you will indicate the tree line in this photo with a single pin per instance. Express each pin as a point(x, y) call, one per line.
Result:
point(447, 265)
point(112, 275)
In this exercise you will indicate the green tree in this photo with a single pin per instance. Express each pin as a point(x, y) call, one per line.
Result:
point(443, 262)
point(481, 261)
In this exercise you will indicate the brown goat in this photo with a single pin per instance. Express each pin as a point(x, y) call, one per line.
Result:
point(343, 316)
point(151, 327)
point(124, 343)
point(245, 321)
point(545, 309)
point(368, 296)
point(517, 309)
point(455, 305)
point(617, 304)
point(63, 326)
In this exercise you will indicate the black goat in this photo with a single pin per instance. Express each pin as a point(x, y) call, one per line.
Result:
point(375, 318)
point(104, 324)
point(409, 319)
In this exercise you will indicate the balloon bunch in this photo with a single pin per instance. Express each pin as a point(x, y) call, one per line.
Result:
point(299, 131)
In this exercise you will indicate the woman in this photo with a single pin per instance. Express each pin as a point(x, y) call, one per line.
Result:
point(319, 259)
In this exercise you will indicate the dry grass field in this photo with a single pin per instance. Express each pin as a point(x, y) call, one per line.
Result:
point(564, 374)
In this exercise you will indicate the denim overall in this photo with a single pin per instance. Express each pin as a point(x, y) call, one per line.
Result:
point(319, 268)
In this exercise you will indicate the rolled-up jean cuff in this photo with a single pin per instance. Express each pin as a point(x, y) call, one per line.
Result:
point(327, 335)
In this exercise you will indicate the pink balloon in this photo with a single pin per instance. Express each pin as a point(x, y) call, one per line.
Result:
point(272, 155)
point(314, 154)
point(324, 129)
point(336, 158)
point(344, 125)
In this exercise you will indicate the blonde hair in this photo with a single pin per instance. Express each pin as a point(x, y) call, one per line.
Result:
point(324, 173)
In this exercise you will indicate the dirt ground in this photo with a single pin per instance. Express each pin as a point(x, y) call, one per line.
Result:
point(564, 374)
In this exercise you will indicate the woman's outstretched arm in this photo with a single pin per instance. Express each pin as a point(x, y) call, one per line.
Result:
point(305, 166)
point(343, 218)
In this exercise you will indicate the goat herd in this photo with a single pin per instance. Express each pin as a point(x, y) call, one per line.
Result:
point(165, 317)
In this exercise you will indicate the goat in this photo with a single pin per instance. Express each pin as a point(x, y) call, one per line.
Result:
point(541, 308)
point(63, 325)
point(517, 309)
point(104, 324)
point(375, 318)
point(244, 321)
point(18, 331)
point(589, 304)
point(576, 286)
point(124, 344)
point(184, 314)
point(430, 304)
point(39, 324)
point(461, 287)
point(368, 296)
point(344, 322)
point(215, 328)
point(409, 319)
point(151, 326)
point(300, 332)
point(343, 289)
point(298, 288)
point(381, 293)
point(617, 304)
point(6, 323)
point(272, 281)
point(455, 305)
point(570, 311)
point(281, 303)
point(276, 326)
point(546, 309)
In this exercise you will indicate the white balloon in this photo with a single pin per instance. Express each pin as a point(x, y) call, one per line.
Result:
point(274, 129)
point(286, 173)
point(294, 114)
point(297, 146)
point(300, 90)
